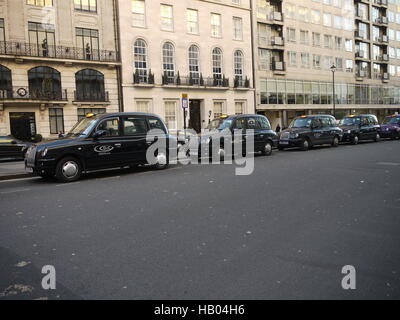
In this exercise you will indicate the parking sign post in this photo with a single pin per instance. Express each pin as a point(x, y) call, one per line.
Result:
point(185, 105)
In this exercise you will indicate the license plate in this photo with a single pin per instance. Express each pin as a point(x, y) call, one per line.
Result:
point(284, 142)
point(28, 170)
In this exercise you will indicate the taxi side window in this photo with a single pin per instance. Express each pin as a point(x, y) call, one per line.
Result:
point(364, 122)
point(156, 124)
point(240, 124)
point(251, 123)
point(264, 123)
point(111, 126)
point(317, 123)
point(134, 126)
point(373, 120)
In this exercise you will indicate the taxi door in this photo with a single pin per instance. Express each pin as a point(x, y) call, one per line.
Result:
point(105, 151)
point(133, 140)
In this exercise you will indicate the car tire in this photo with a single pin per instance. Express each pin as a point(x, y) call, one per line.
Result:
point(68, 169)
point(335, 142)
point(267, 151)
point(377, 137)
point(305, 145)
point(355, 140)
point(162, 160)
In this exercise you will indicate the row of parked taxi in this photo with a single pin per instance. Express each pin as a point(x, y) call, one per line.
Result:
point(124, 139)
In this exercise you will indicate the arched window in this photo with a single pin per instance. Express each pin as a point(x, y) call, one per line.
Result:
point(238, 68)
point(5, 82)
point(238, 61)
point(217, 65)
point(89, 85)
point(44, 83)
point(194, 64)
point(140, 57)
point(168, 56)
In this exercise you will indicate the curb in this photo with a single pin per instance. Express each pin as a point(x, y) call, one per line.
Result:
point(15, 176)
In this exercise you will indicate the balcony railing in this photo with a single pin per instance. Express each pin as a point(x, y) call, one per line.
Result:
point(143, 77)
point(381, 2)
point(241, 83)
point(195, 81)
point(91, 96)
point(56, 52)
point(24, 93)
point(381, 20)
point(278, 66)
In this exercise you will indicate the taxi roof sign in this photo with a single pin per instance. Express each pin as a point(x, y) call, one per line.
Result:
point(90, 115)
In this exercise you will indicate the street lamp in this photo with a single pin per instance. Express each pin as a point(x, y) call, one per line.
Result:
point(333, 69)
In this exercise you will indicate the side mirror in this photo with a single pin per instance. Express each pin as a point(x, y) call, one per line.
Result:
point(99, 133)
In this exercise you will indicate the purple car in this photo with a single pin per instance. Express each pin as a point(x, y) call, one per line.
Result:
point(390, 127)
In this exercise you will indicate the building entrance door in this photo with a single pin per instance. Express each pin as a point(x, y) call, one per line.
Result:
point(23, 125)
point(195, 116)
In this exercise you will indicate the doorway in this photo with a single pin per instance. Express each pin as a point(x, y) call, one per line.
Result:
point(23, 125)
point(195, 115)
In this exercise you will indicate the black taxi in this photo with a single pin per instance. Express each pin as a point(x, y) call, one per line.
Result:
point(99, 142)
point(265, 139)
point(360, 127)
point(311, 130)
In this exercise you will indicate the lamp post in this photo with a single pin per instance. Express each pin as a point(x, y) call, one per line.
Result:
point(333, 69)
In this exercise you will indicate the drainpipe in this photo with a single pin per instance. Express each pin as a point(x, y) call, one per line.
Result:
point(253, 55)
point(117, 41)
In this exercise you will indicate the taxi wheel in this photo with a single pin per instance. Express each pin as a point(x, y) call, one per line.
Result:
point(335, 142)
point(355, 140)
point(377, 137)
point(68, 169)
point(267, 151)
point(305, 145)
point(162, 160)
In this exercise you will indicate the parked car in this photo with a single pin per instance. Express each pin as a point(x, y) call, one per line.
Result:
point(265, 139)
point(310, 130)
point(390, 128)
point(99, 142)
point(360, 127)
point(11, 147)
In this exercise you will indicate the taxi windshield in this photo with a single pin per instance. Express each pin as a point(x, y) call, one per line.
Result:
point(83, 127)
point(350, 121)
point(219, 124)
point(391, 120)
point(301, 123)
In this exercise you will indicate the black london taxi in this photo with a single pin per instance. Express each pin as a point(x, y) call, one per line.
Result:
point(360, 127)
point(310, 130)
point(99, 142)
point(11, 147)
point(265, 139)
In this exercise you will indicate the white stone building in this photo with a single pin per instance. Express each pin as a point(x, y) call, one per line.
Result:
point(58, 61)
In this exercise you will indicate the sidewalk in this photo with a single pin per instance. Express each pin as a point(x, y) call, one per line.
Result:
point(12, 170)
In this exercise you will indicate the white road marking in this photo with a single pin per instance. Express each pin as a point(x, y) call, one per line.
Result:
point(388, 163)
point(14, 191)
point(20, 179)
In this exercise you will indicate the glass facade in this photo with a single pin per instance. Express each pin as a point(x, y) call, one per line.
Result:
point(275, 91)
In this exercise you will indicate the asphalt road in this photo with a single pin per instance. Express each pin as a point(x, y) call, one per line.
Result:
point(201, 232)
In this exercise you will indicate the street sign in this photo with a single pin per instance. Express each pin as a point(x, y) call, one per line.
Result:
point(185, 101)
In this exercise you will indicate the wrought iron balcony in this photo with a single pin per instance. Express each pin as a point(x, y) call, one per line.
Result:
point(147, 78)
point(241, 83)
point(278, 66)
point(189, 81)
point(25, 93)
point(56, 52)
point(91, 96)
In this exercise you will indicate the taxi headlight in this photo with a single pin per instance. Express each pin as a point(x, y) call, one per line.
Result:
point(294, 135)
point(348, 131)
point(44, 152)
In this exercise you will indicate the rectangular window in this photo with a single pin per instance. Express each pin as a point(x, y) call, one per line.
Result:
point(237, 28)
point(349, 65)
point(138, 13)
point(56, 117)
point(327, 20)
point(216, 30)
point(86, 5)
point(170, 114)
point(349, 45)
point(218, 109)
point(2, 34)
point(41, 39)
point(134, 126)
point(88, 41)
point(167, 19)
point(142, 106)
point(40, 3)
point(264, 58)
point(338, 43)
point(316, 38)
point(291, 34)
point(328, 41)
point(305, 60)
point(315, 16)
point(239, 107)
point(292, 57)
point(192, 21)
point(316, 61)
point(304, 37)
point(82, 112)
